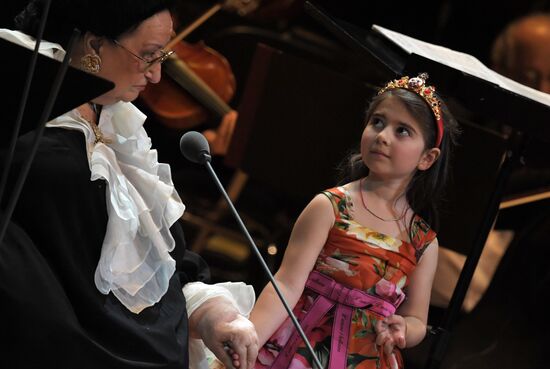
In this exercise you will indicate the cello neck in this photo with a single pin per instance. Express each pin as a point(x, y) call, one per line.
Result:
point(184, 76)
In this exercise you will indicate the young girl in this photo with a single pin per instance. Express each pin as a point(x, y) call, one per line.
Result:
point(359, 265)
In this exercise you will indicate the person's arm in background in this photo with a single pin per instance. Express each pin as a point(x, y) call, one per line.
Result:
point(220, 138)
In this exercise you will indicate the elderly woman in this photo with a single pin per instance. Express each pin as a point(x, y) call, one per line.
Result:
point(93, 277)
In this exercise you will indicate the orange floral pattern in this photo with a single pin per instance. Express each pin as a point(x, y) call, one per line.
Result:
point(361, 258)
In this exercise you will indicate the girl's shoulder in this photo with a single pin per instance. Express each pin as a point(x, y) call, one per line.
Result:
point(341, 193)
point(422, 234)
point(341, 200)
point(338, 192)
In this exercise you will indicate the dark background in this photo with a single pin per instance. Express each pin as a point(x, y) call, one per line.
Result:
point(499, 333)
point(467, 26)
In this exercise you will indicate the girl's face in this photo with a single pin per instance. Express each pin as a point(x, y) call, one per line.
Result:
point(393, 145)
point(127, 71)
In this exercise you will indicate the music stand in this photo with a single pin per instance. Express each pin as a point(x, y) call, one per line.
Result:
point(76, 88)
point(485, 101)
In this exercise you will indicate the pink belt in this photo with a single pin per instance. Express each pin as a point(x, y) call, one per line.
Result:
point(332, 293)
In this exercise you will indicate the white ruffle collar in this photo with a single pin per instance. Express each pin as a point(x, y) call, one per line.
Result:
point(142, 204)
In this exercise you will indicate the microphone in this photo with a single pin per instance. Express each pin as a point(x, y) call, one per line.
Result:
point(195, 148)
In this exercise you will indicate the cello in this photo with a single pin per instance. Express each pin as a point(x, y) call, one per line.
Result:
point(200, 78)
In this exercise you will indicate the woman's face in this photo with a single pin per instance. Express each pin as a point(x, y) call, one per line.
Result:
point(121, 65)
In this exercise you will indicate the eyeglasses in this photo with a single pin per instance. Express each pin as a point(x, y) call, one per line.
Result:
point(158, 57)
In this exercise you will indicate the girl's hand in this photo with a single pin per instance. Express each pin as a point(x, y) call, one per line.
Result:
point(391, 332)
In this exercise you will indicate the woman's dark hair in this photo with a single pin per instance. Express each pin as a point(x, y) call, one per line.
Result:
point(426, 189)
point(104, 18)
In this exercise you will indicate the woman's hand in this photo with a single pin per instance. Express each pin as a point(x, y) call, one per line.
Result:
point(229, 335)
point(391, 332)
point(220, 138)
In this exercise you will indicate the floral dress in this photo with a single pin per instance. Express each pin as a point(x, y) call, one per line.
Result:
point(365, 262)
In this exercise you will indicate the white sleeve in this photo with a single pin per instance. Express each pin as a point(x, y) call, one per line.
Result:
point(239, 294)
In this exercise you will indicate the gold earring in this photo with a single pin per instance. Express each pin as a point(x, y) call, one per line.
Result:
point(91, 63)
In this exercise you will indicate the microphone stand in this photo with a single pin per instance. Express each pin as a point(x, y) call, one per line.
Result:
point(206, 161)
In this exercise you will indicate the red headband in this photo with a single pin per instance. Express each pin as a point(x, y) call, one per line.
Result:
point(418, 85)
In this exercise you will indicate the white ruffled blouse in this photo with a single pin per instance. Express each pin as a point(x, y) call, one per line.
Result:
point(142, 204)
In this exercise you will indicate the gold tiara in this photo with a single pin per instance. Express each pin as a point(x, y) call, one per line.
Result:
point(418, 86)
